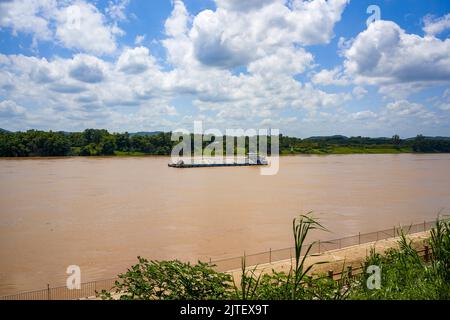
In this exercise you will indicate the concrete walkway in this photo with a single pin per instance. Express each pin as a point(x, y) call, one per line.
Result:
point(352, 256)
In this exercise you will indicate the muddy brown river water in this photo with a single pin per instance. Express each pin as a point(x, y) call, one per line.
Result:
point(100, 213)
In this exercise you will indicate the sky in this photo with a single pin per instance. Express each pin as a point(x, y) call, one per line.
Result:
point(305, 67)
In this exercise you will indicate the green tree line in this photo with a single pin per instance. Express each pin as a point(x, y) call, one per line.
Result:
point(95, 142)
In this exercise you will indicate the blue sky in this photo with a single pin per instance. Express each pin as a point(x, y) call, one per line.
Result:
point(305, 67)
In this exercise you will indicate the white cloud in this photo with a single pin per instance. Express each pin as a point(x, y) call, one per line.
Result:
point(9, 109)
point(74, 24)
point(87, 69)
point(443, 103)
point(28, 16)
point(204, 48)
point(444, 106)
point(434, 26)
point(385, 54)
point(176, 24)
point(359, 92)
point(242, 6)
point(137, 60)
point(288, 61)
point(404, 108)
point(334, 76)
point(363, 115)
point(267, 40)
point(139, 39)
point(233, 36)
point(116, 9)
point(87, 30)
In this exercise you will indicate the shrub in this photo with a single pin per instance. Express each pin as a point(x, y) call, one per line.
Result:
point(171, 280)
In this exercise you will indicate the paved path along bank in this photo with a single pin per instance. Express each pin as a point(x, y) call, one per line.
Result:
point(352, 256)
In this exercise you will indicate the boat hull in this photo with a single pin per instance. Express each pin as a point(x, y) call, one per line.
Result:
point(207, 165)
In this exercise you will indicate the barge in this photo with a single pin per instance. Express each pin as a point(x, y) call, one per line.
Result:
point(249, 161)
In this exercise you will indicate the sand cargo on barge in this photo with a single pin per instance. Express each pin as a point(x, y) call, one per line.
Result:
point(252, 159)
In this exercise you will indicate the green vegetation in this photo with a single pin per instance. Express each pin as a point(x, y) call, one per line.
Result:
point(93, 142)
point(171, 280)
point(90, 142)
point(404, 275)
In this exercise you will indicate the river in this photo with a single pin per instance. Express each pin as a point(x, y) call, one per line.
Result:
point(100, 213)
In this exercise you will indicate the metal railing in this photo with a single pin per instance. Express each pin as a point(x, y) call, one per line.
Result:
point(318, 247)
point(91, 289)
point(87, 290)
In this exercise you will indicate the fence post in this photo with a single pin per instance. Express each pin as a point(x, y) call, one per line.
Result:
point(424, 226)
point(394, 232)
point(270, 255)
point(359, 238)
point(210, 261)
point(349, 274)
point(48, 291)
point(330, 274)
point(427, 254)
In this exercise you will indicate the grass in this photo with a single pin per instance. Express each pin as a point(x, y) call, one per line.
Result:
point(369, 150)
point(129, 154)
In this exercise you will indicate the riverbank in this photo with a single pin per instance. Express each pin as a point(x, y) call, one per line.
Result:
point(284, 153)
point(336, 260)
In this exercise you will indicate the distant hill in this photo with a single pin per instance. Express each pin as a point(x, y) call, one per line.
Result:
point(343, 138)
point(433, 138)
point(335, 137)
point(142, 133)
point(145, 133)
point(4, 130)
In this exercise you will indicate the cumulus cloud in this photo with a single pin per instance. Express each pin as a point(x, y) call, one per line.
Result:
point(82, 26)
point(238, 5)
point(86, 91)
point(290, 61)
point(177, 24)
point(87, 69)
point(335, 76)
point(116, 9)
point(434, 26)
point(86, 88)
point(443, 103)
point(137, 60)
point(9, 109)
point(139, 39)
point(404, 108)
point(30, 17)
point(235, 65)
point(359, 92)
point(238, 33)
point(67, 88)
point(386, 54)
point(74, 24)
point(363, 115)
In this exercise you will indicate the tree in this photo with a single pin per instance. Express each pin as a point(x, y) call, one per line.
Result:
point(108, 145)
point(396, 141)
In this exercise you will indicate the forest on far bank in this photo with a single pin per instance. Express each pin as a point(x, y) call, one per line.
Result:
point(100, 142)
